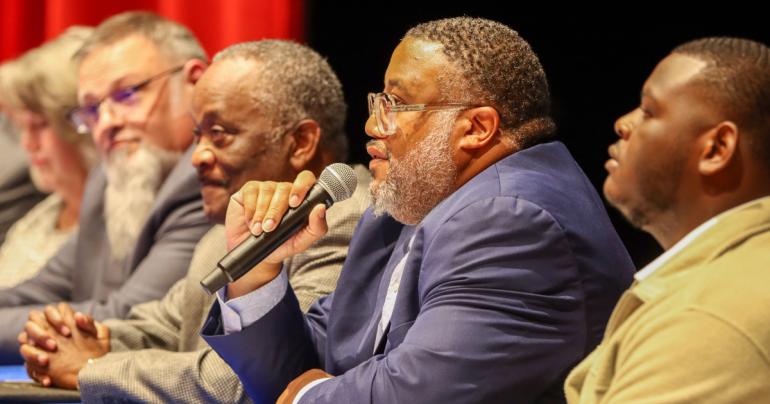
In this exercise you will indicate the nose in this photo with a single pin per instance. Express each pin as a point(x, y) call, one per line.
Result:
point(29, 139)
point(371, 128)
point(203, 157)
point(624, 125)
point(108, 124)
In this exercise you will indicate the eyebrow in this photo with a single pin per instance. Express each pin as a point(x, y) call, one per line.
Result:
point(396, 83)
point(115, 85)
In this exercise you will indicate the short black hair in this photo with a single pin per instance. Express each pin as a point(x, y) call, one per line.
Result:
point(498, 68)
point(737, 79)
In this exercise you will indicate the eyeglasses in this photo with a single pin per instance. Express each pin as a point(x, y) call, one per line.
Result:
point(384, 107)
point(85, 118)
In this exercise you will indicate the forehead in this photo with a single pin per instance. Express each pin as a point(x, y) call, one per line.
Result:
point(673, 76)
point(229, 85)
point(415, 69)
point(118, 63)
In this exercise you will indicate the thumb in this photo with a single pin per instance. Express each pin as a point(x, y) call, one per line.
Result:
point(86, 323)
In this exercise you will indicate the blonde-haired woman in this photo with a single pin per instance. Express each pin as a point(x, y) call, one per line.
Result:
point(37, 90)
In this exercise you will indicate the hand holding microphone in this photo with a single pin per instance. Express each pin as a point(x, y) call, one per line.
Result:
point(268, 222)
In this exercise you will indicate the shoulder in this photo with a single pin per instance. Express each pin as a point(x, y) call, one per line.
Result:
point(181, 185)
point(343, 216)
point(733, 289)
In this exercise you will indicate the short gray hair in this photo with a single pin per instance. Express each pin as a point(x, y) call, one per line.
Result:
point(298, 84)
point(174, 40)
point(496, 67)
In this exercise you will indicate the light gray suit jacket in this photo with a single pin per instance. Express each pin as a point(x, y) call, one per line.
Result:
point(157, 353)
point(82, 273)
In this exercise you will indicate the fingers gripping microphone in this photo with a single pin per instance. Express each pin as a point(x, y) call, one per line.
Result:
point(336, 183)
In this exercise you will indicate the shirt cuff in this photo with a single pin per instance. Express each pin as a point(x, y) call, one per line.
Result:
point(307, 388)
point(245, 310)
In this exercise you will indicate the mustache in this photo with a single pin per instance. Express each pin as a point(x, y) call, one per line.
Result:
point(213, 181)
point(379, 145)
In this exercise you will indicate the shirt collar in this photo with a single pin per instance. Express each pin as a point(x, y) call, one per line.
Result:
point(686, 241)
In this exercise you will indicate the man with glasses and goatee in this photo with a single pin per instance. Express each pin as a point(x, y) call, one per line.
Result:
point(141, 214)
point(486, 269)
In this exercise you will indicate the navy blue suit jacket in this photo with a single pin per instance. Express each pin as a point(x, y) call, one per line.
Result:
point(508, 284)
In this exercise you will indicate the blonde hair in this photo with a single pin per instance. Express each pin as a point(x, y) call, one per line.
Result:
point(44, 80)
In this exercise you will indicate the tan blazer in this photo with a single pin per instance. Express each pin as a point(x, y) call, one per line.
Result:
point(697, 330)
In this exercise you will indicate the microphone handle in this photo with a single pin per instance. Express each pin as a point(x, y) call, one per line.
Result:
point(248, 253)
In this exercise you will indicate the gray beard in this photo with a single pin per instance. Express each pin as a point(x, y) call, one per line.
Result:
point(422, 179)
point(132, 184)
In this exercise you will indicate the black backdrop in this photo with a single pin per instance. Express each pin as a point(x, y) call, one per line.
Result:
point(596, 65)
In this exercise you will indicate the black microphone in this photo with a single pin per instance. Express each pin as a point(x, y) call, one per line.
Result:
point(336, 183)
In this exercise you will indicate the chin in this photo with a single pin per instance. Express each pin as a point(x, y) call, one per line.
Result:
point(41, 181)
point(379, 170)
point(215, 214)
point(213, 204)
point(610, 190)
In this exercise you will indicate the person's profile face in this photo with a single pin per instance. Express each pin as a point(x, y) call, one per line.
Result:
point(235, 139)
point(412, 77)
point(653, 158)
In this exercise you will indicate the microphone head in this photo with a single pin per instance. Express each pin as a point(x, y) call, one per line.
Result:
point(339, 180)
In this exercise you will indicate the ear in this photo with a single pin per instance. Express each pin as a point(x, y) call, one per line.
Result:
point(719, 146)
point(480, 127)
point(193, 70)
point(304, 144)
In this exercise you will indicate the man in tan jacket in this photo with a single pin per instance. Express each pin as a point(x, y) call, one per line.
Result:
point(263, 110)
point(691, 168)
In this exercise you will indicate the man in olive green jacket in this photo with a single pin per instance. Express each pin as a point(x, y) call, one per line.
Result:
point(691, 168)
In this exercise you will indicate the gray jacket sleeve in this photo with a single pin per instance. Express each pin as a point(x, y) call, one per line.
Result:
point(156, 354)
point(153, 324)
point(160, 376)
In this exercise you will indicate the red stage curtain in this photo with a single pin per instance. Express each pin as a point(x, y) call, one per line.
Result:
point(27, 23)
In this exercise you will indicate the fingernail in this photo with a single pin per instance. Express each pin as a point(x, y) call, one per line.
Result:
point(268, 224)
point(51, 344)
point(65, 331)
point(293, 201)
point(323, 214)
point(256, 228)
point(42, 358)
point(46, 381)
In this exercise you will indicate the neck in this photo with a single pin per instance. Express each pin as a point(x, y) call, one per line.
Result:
point(72, 195)
point(471, 164)
point(675, 224)
point(321, 161)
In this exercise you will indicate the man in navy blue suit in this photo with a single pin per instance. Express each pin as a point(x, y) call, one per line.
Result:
point(486, 269)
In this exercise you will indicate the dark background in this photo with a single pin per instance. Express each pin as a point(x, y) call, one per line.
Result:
point(596, 65)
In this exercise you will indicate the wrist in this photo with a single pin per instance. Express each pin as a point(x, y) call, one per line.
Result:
point(257, 277)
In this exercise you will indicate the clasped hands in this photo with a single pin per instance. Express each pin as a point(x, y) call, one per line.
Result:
point(57, 342)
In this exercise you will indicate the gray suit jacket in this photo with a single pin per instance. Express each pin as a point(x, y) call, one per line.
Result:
point(157, 354)
point(81, 272)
